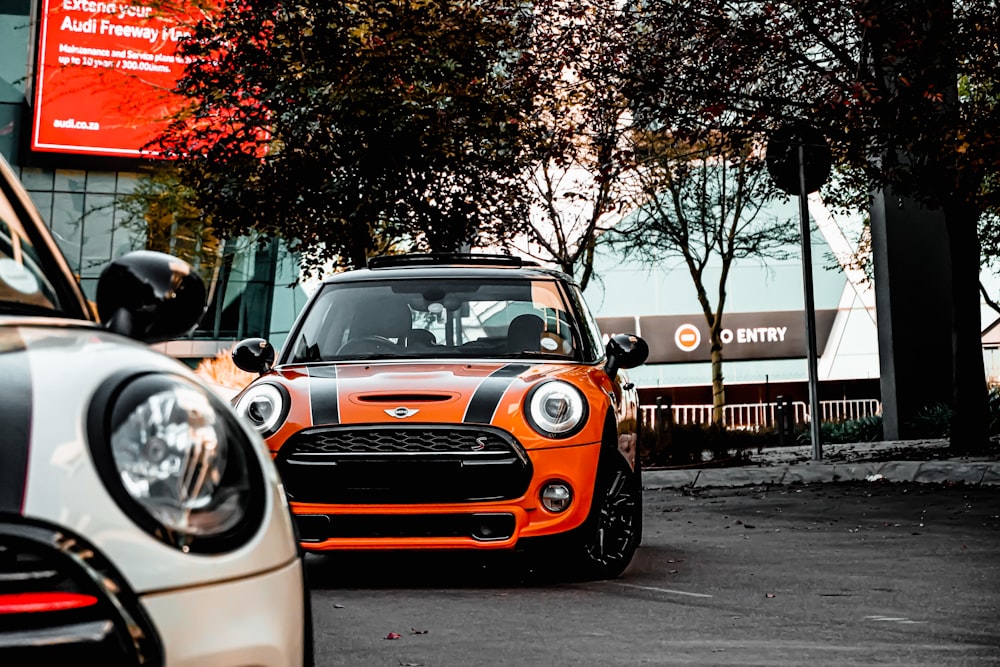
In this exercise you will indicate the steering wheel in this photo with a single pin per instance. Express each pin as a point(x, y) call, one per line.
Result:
point(368, 345)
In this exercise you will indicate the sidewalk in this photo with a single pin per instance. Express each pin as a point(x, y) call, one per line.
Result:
point(924, 461)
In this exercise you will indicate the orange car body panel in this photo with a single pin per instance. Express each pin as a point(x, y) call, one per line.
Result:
point(361, 393)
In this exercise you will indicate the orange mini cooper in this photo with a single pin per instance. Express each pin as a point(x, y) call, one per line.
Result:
point(454, 402)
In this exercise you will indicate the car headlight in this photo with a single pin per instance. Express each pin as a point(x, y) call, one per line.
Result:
point(556, 409)
point(176, 461)
point(265, 406)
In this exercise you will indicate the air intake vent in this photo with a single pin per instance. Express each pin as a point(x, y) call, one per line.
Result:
point(397, 399)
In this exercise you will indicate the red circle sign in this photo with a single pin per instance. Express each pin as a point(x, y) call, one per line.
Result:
point(687, 337)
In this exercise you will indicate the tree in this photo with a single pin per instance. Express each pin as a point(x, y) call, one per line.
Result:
point(160, 215)
point(879, 76)
point(580, 149)
point(346, 128)
point(707, 206)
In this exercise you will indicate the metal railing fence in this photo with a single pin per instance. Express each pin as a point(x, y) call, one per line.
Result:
point(761, 416)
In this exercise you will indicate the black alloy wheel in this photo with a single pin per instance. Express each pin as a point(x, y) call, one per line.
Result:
point(605, 544)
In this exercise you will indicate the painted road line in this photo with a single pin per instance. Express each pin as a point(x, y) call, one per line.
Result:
point(663, 590)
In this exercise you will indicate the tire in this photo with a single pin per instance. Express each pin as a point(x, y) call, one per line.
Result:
point(604, 545)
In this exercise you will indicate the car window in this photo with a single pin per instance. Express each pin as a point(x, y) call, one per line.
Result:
point(451, 318)
point(24, 287)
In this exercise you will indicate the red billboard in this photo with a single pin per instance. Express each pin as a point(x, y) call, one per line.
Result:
point(104, 75)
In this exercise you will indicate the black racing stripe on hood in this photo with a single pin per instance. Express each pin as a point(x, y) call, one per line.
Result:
point(323, 395)
point(484, 402)
point(15, 416)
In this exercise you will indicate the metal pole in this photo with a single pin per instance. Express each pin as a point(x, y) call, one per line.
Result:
point(807, 285)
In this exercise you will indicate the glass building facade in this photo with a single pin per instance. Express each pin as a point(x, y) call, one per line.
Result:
point(78, 198)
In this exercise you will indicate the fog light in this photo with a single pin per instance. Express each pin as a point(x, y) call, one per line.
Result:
point(556, 496)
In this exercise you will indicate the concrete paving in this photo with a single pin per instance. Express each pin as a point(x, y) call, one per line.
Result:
point(922, 461)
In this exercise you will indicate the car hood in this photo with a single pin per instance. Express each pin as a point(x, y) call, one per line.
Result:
point(52, 375)
point(428, 392)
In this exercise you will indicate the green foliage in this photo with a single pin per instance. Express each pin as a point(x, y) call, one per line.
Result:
point(865, 429)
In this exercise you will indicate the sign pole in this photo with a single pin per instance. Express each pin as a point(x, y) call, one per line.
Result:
point(807, 285)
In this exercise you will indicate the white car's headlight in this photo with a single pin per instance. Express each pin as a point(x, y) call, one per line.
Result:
point(265, 406)
point(177, 462)
point(556, 409)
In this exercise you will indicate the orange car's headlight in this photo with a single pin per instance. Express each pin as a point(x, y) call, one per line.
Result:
point(264, 406)
point(556, 409)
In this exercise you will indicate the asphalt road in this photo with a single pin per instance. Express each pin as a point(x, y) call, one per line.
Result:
point(831, 574)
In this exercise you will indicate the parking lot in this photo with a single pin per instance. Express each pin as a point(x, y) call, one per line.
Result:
point(831, 574)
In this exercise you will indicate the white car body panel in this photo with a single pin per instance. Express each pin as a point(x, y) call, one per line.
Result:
point(63, 486)
point(235, 631)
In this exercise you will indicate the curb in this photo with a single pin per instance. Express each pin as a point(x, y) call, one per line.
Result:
point(924, 472)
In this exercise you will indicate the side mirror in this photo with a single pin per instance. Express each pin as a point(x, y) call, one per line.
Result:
point(253, 355)
point(624, 351)
point(150, 296)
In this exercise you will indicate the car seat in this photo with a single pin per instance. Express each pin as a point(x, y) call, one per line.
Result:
point(388, 319)
point(420, 338)
point(524, 333)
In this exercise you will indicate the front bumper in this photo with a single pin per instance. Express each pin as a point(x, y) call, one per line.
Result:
point(478, 524)
point(63, 601)
point(254, 621)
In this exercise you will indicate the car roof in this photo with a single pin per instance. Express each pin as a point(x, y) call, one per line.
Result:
point(451, 265)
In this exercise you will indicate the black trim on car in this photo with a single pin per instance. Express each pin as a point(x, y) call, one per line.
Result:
point(377, 464)
point(15, 415)
point(479, 526)
point(42, 560)
point(484, 402)
point(324, 395)
point(448, 258)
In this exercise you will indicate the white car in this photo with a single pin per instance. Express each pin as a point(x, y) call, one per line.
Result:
point(141, 523)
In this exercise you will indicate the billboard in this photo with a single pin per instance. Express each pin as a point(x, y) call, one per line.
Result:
point(104, 75)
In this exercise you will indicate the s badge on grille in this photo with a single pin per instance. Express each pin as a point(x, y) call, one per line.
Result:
point(401, 412)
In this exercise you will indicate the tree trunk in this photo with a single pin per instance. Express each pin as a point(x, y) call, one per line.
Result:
point(969, 424)
point(718, 384)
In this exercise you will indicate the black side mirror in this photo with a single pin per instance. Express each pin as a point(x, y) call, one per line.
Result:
point(150, 296)
point(253, 355)
point(624, 351)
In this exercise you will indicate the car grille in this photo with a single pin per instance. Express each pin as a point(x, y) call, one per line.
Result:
point(61, 602)
point(378, 464)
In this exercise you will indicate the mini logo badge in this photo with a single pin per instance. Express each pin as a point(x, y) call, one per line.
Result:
point(401, 412)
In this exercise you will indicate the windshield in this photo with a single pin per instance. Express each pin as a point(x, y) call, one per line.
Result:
point(451, 318)
point(24, 287)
